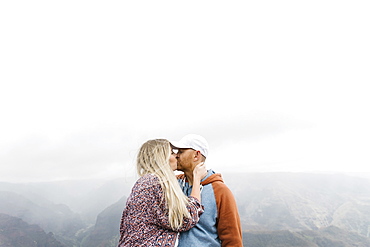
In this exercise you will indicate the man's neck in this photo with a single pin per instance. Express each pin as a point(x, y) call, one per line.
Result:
point(189, 177)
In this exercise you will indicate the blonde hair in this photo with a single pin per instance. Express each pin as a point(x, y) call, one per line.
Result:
point(153, 158)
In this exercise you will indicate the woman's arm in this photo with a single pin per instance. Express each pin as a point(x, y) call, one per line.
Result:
point(199, 172)
point(194, 207)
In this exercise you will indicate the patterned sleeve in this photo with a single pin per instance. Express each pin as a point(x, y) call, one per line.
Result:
point(195, 209)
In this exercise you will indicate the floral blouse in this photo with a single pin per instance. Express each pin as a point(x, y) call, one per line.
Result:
point(145, 219)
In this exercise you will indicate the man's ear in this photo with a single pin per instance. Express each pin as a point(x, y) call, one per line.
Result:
point(197, 156)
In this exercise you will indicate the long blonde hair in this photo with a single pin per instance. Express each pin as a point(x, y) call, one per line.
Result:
point(153, 158)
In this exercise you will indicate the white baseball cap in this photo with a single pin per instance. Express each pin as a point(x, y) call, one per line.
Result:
point(193, 141)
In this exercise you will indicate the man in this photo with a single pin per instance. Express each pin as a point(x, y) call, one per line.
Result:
point(219, 225)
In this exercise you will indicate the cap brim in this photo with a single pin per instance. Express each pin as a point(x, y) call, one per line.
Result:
point(178, 145)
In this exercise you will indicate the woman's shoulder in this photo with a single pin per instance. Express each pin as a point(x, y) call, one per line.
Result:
point(149, 177)
point(147, 185)
point(148, 180)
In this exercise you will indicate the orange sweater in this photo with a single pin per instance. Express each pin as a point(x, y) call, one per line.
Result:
point(225, 221)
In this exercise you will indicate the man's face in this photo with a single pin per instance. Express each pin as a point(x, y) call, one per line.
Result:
point(185, 159)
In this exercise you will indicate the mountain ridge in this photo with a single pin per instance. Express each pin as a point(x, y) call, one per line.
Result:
point(276, 204)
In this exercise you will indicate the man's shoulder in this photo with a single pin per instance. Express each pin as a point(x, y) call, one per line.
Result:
point(220, 185)
point(221, 189)
point(213, 178)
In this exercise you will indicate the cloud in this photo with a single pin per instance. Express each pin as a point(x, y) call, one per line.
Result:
point(275, 84)
point(77, 155)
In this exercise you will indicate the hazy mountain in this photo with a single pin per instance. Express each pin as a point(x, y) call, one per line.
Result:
point(325, 237)
point(85, 197)
point(296, 201)
point(275, 239)
point(105, 233)
point(290, 209)
point(98, 200)
point(334, 236)
point(14, 232)
point(287, 209)
point(56, 218)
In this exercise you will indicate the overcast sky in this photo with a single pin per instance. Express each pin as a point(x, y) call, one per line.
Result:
point(272, 85)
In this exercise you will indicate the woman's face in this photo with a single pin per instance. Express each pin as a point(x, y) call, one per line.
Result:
point(173, 161)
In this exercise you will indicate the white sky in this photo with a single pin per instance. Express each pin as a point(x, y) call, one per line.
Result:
point(272, 85)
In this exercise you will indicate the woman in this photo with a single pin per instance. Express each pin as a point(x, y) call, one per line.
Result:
point(157, 209)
